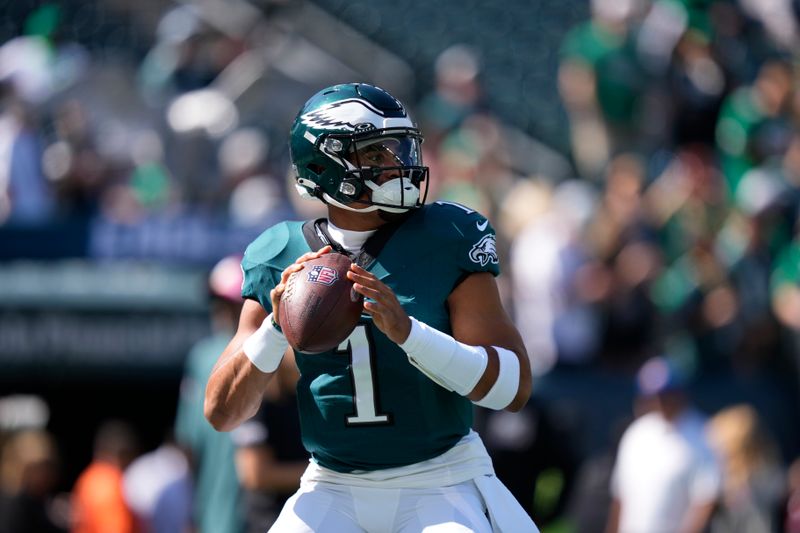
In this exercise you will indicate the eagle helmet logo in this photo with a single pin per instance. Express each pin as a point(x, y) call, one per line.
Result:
point(353, 114)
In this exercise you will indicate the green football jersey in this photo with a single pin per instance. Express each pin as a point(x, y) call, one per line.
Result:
point(363, 406)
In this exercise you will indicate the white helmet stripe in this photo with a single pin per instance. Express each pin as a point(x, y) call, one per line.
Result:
point(347, 114)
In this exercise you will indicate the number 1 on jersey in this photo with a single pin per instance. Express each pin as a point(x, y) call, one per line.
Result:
point(365, 395)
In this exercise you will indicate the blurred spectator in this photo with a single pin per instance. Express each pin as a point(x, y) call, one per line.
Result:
point(150, 182)
point(189, 52)
point(25, 196)
point(626, 260)
point(756, 230)
point(459, 159)
point(601, 85)
point(619, 218)
point(785, 287)
point(686, 202)
point(474, 165)
point(270, 457)
point(97, 498)
point(217, 505)
point(792, 524)
point(697, 85)
point(752, 123)
point(666, 478)
point(22, 411)
point(552, 309)
point(753, 484)
point(779, 18)
point(158, 490)
point(693, 296)
point(34, 67)
point(249, 191)
point(41, 62)
point(29, 475)
point(456, 94)
point(73, 164)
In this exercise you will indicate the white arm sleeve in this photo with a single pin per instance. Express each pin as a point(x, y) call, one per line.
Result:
point(505, 388)
point(458, 367)
point(454, 365)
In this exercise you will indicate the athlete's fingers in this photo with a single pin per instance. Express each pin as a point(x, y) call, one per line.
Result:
point(313, 255)
point(369, 292)
point(291, 269)
point(383, 306)
point(369, 280)
point(276, 291)
point(275, 298)
point(305, 257)
point(373, 288)
point(359, 275)
point(380, 314)
point(387, 320)
point(377, 293)
point(372, 308)
point(365, 278)
point(324, 250)
point(386, 307)
point(362, 271)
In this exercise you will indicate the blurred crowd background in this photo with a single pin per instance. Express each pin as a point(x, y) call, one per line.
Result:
point(639, 159)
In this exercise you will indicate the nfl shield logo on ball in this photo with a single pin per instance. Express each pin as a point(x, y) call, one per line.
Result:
point(322, 274)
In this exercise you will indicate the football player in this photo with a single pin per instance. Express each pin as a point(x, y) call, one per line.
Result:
point(387, 415)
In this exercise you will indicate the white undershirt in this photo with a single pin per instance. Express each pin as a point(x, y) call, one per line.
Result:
point(352, 241)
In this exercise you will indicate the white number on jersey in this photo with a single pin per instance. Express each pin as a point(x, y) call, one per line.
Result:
point(365, 395)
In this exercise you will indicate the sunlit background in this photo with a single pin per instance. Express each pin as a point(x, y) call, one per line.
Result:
point(639, 159)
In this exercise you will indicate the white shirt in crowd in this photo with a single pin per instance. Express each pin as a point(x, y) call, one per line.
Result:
point(662, 470)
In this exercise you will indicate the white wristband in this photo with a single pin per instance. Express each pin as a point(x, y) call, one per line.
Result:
point(265, 347)
point(454, 365)
point(505, 388)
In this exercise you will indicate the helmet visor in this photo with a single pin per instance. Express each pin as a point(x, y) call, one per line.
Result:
point(392, 151)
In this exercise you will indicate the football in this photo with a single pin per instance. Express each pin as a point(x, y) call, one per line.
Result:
point(319, 308)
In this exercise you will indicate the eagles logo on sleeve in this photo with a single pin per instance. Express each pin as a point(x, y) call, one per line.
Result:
point(484, 251)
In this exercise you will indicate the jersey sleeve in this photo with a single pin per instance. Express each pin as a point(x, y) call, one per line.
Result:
point(474, 239)
point(261, 266)
point(259, 280)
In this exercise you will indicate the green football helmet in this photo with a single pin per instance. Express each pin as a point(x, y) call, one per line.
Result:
point(355, 147)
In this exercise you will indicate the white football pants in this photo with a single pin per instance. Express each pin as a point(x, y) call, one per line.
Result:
point(321, 507)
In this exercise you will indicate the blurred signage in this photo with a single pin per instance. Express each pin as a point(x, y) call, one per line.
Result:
point(186, 238)
point(76, 314)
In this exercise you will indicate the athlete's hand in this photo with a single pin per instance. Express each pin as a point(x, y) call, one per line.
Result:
point(275, 294)
point(386, 311)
